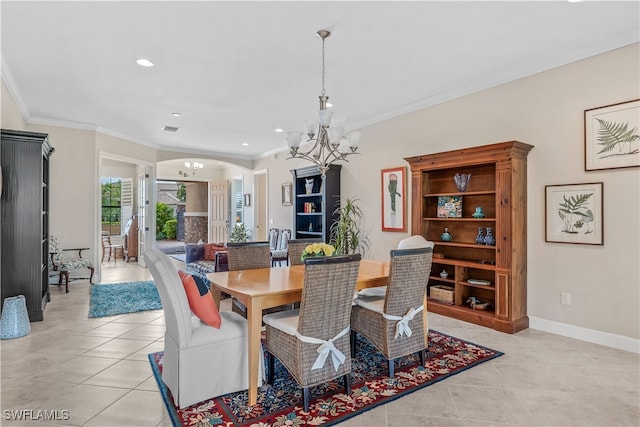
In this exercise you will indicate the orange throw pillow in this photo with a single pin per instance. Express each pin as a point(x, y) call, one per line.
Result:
point(210, 250)
point(200, 300)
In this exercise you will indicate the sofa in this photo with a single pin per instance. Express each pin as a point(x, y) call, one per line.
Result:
point(204, 258)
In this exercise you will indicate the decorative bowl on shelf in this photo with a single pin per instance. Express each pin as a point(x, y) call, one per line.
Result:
point(478, 282)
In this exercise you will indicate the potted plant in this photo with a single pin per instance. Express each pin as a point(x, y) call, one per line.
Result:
point(347, 235)
point(239, 233)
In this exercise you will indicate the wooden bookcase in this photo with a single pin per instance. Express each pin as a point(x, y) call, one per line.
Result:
point(315, 222)
point(498, 184)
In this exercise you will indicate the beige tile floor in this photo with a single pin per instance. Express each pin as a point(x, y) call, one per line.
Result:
point(97, 370)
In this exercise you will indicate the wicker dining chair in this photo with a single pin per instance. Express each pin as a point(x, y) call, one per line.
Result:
point(394, 323)
point(246, 256)
point(296, 247)
point(312, 342)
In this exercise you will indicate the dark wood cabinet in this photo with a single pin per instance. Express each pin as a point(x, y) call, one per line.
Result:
point(24, 206)
point(494, 274)
point(314, 201)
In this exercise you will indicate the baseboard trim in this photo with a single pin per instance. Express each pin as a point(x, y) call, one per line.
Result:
point(590, 335)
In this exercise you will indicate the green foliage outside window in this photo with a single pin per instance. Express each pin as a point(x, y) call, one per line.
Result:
point(170, 229)
point(163, 214)
point(181, 194)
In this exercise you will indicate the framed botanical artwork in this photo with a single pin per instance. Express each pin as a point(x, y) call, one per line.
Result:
point(574, 213)
point(394, 200)
point(611, 136)
point(286, 194)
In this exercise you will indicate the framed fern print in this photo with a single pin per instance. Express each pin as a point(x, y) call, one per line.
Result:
point(574, 213)
point(612, 136)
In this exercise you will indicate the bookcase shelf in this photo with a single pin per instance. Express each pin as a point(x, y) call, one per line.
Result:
point(324, 195)
point(497, 185)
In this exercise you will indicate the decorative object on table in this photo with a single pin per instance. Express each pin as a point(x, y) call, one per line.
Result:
point(478, 212)
point(239, 233)
point(449, 207)
point(462, 181)
point(445, 236)
point(15, 319)
point(574, 213)
point(286, 194)
point(308, 185)
point(283, 403)
point(611, 136)
point(318, 249)
point(444, 274)
point(347, 233)
point(120, 298)
point(328, 144)
point(480, 236)
point(489, 240)
point(476, 304)
point(394, 200)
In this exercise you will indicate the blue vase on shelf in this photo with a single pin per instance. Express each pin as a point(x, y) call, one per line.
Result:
point(445, 236)
point(480, 236)
point(489, 239)
point(478, 213)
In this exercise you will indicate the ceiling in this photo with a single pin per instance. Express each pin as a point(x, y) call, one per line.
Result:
point(238, 70)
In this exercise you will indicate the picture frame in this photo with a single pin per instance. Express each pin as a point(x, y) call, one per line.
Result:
point(394, 200)
point(612, 136)
point(247, 199)
point(574, 213)
point(286, 194)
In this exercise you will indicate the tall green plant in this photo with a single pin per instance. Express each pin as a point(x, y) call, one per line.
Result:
point(347, 235)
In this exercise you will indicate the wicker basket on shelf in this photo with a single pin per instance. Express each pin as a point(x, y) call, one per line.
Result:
point(441, 293)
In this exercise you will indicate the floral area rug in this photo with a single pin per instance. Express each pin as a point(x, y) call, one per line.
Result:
point(280, 404)
point(120, 298)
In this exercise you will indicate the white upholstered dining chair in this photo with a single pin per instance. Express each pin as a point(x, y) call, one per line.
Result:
point(200, 361)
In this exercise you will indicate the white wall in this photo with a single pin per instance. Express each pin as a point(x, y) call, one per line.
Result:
point(544, 110)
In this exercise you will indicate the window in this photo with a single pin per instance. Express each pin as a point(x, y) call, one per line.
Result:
point(111, 209)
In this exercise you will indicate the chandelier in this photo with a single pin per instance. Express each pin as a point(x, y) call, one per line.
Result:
point(193, 166)
point(328, 144)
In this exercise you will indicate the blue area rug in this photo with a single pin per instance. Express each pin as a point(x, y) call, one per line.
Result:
point(120, 298)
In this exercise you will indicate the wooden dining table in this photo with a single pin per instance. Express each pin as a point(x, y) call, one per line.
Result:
point(263, 288)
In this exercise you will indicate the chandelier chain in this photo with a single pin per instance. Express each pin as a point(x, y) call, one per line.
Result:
point(323, 91)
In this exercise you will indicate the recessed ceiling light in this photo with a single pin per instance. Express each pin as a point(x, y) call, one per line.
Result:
point(170, 129)
point(574, 1)
point(245, 144)
point(279, 130)
point(144, 62)
point(176, 114)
